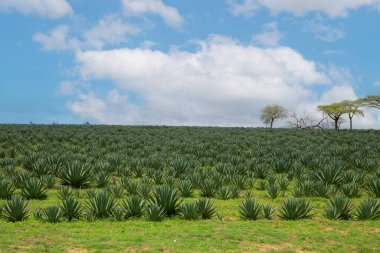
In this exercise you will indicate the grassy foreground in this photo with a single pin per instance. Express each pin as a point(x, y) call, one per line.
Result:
point(192, 236)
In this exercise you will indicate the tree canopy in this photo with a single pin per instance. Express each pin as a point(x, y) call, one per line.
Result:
point(272, 112)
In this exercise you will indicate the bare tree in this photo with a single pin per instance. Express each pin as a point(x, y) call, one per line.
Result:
point(305, 121)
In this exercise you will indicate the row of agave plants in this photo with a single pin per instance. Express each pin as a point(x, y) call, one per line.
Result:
point(166, 202)
point(206, 162)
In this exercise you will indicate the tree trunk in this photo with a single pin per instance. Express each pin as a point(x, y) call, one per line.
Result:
point(336, 123)
point(350, 122)
point(271, 123)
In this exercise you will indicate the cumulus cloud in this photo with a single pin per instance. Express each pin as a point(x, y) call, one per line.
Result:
point(140, 7)
point(271, 36)
point(336, 8)
point(44, 8)
point(245, 8)
point(222, 83)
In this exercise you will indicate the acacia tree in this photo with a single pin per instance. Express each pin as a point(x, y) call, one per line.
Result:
point(272, 112)
point(370, 101)
point(352, 109)
point(334, 111)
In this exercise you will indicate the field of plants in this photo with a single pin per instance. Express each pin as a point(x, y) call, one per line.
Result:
point(188, 189)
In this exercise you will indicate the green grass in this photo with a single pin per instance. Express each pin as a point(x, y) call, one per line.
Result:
point(174, 235)
point(231, 234)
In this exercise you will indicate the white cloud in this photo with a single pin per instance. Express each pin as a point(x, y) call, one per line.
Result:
point(322, 31)
point(270, 37)
point(140, 7)
point(244, 8)
point(222, 83)
point(110, 30)
point(44, 8)
point(335, 8)
point(56, 39)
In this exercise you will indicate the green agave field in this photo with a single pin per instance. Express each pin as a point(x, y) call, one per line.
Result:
point(136, 188)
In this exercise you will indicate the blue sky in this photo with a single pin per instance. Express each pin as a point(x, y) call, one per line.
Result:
point(209, 62)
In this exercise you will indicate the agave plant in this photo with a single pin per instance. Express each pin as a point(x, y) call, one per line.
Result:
point(6, 189)
point(154, 212)
point(116, 190)
point(189, 211)
point(167, 198)
point(186, 188)
point(16, 209)
point(134, 206)
point(294, 209)
point(71, 208)
point(118, 214)
point(34, 188)
point(102, 205)
point(351, 190)
point(65, 192)
point(269, 211)
point(369, 209)
point(322, 190)
point(339, 208)
point(224, 193)
point(373, 187)
point(207, 188)
point(206, 208)
point(51, 214)
point(101, 179)
point(131, 186)
point(273, 191)
point(250, 209)
point(145, 190)
point(76, 175)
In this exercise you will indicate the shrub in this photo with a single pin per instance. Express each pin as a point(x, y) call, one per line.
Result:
point(118, 214)
point(369, 209)
point(339, 208)
point(294, 209)
point(16, 209)
point(250, 209)
point(351, 190)
point(205, 208)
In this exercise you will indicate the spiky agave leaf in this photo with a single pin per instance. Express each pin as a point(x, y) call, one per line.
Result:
point(294, 209)
point(16, 209)
point(167, 198)
point(250, 209)
point(369, 209)
point(339, 208)
point(206, 208)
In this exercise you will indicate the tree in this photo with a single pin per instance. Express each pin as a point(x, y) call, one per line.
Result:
point(334, 111)
point(304, 120)
point(370, 101)
point(272, 112)
point(352, 109)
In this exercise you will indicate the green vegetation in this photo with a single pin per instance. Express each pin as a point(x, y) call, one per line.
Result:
point(183, 189)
